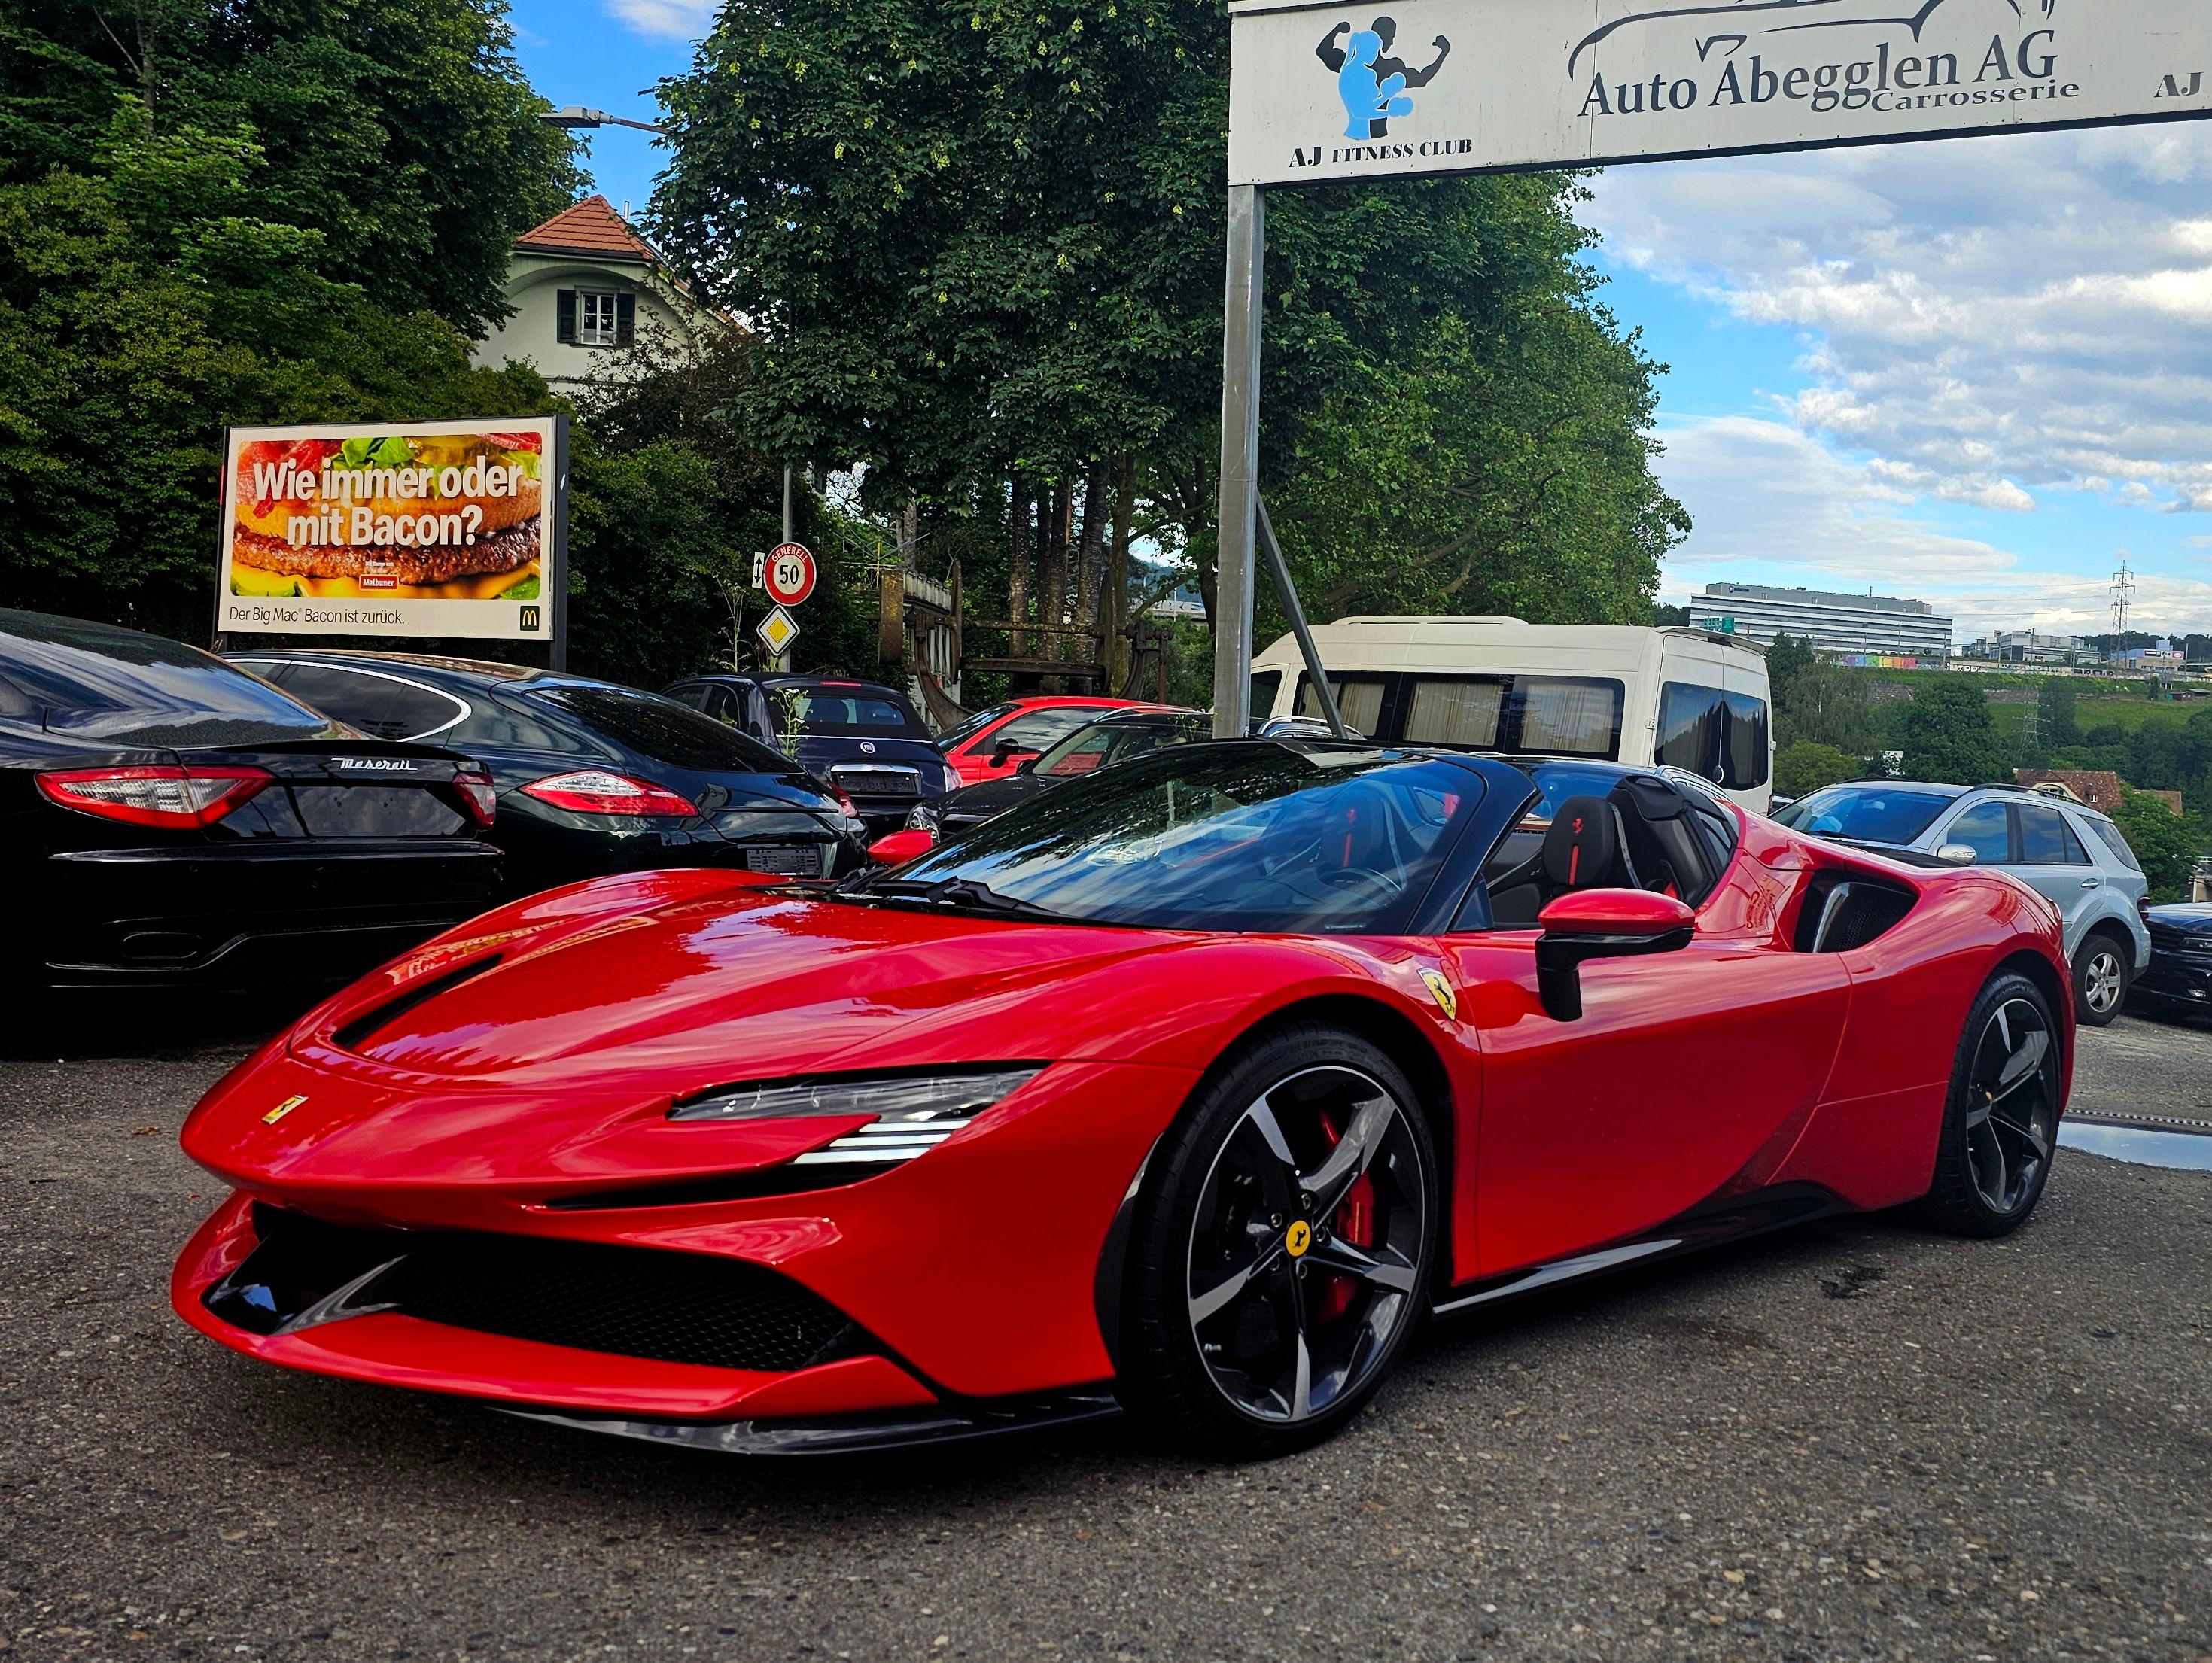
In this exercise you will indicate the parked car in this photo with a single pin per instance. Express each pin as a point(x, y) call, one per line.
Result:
point(592, 777)
point(864, 738)
point(1154, 1093)
point(1114, 737)
point(1692, 699)
point(2178, 982)
point(739, 702)
point(168, 821)
point(2072, 854)
point(996, 741)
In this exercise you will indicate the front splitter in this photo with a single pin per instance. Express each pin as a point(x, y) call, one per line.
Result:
point(839, 1435)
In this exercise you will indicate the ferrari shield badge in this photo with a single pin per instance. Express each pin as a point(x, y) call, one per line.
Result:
point(282, 1110)
point(1441, 991)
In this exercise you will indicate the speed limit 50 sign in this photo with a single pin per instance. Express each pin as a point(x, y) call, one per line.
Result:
point(789, 577)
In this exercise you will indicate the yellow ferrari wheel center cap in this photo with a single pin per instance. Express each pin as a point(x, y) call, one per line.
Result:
point(1298, 1239)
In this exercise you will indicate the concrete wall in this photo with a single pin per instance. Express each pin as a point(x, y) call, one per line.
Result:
point(531, 336)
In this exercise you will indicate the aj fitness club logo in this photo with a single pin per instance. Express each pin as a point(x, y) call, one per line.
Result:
point(1376, 83)
point(1832, 54)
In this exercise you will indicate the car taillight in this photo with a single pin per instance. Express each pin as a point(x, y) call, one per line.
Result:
point(852, 810)
point(599, 791)
point(479, 797)
point(2143, 908)
point(164, 795)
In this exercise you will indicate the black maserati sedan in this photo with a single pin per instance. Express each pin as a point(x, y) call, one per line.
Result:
point(2178, 983)
point(592, 777)
point(169, 822)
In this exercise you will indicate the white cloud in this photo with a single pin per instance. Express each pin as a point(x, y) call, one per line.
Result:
point(1987, 317)
point(1773, 504)
point(671, 19)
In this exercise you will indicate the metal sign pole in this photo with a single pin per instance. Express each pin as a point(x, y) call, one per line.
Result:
point(1240, 462)
point(1315, 676)
point(553, 531)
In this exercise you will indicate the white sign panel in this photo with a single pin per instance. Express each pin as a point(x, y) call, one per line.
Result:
point(1453, 86)
point(449, 529)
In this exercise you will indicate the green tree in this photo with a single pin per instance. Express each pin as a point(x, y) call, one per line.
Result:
point(990, 275)
point(1786, 660)
point(2166, 845)
point(1948, 733)
point(1826, 704)
point(217, 216)
point(1806, 767)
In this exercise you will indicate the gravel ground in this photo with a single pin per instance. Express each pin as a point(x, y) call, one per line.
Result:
point(1854, 1441)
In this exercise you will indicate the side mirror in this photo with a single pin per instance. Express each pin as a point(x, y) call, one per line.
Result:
point(901, 847)
point(1602, 924)
point(1957, 854)
point(1003, 750)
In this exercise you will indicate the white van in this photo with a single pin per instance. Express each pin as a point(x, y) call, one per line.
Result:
point(1682, 697)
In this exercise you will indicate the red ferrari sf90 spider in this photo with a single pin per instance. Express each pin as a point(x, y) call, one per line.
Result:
point(1191, 1087)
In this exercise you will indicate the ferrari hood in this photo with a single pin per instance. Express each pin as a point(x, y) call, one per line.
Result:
point(709, 991)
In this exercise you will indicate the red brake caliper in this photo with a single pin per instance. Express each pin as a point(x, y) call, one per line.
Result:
point(1354, 1222)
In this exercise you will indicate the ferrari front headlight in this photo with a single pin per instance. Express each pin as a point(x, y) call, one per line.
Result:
point(912, 1112)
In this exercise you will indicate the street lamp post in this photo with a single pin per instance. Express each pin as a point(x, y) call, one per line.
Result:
point(575, 116)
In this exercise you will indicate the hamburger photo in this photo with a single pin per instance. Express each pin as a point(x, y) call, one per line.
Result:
point(443, 516)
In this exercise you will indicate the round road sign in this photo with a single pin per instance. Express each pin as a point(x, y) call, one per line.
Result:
point(790, 573)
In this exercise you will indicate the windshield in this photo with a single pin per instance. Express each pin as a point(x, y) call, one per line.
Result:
point(1869, 814)
point(875, 711)
point(110, 686)
point(666, 731)
point(1253, 835)
point(974, 725)
point(1089, 749)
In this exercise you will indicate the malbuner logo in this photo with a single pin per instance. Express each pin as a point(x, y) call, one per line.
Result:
point(1889, 76)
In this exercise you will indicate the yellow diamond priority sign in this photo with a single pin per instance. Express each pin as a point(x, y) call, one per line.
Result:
point(777, 631)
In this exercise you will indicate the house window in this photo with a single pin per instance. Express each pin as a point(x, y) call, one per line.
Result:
point(598, 324)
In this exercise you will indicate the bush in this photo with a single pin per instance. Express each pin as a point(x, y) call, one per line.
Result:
point(1806, 767)
point(2165, 844)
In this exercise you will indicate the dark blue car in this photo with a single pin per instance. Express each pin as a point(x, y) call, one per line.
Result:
point(864, 740)
point(592, 777)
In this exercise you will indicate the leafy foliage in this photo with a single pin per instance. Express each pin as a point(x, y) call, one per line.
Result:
point(2165, 844)
point(1824, 704)
point(991, 266)
point(1806, 767)
point(213, 215)
point(1947, 734)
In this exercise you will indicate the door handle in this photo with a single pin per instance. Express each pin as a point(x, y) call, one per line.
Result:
point(2093, 883)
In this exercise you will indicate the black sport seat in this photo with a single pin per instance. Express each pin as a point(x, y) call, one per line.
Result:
point(1584, 849)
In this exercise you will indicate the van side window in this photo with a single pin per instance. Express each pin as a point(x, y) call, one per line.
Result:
point(1516, 715)
point(1266, 684)
point(1720, 737)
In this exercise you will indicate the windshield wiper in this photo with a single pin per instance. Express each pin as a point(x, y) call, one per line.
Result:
point(970, 893)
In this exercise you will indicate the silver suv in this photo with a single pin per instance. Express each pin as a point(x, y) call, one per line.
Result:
point(2066, 850)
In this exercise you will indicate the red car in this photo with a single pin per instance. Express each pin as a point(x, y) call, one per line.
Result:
point(994, 742)
point(1191, 1087)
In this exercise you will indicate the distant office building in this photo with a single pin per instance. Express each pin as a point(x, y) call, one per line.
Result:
point(2163, 655)
point(2025, 647)
point(1183, 604)
point(1878, 624)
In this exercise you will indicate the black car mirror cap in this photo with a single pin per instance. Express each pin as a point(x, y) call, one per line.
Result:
point(1590, 924)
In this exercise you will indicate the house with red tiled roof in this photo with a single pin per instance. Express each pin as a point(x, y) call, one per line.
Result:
point(584, 286)
point(2100, 788)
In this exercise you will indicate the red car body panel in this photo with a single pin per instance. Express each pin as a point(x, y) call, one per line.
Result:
point(973, 759)
point(501, 1103)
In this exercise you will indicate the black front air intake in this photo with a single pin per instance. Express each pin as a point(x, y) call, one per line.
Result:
point(631, 1301)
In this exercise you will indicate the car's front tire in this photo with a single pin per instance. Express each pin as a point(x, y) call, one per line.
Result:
point(2103, 968)
point(2000, 1120)
point(1280, 1252)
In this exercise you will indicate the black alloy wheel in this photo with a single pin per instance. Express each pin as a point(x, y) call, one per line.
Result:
point(2100, 981)
point(1282, 1250)
point(2001, 1125)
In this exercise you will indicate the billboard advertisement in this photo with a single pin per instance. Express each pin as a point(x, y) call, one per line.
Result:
point(450, 529)
point(1325, 92)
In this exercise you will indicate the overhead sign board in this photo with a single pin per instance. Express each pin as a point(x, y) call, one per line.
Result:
point(1459, 86)
point(444, 529)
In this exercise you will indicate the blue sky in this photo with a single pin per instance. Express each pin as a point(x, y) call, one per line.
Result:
point(1977, 372)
